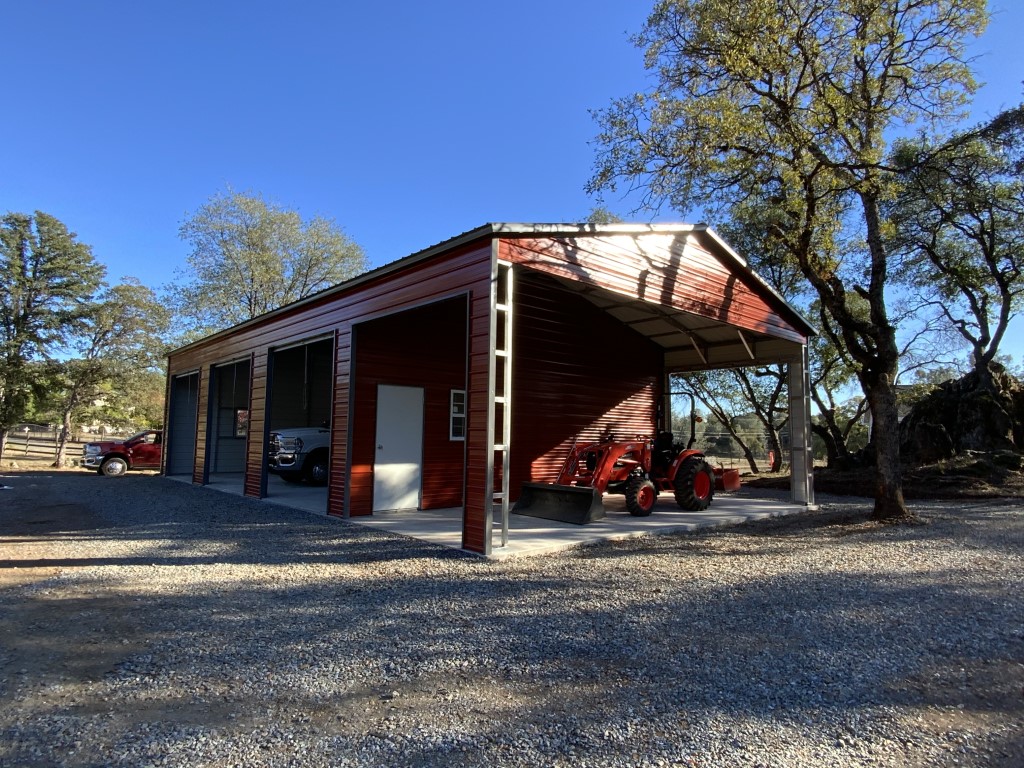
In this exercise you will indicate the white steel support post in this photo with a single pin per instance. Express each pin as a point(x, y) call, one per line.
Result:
point(801, 462)
point(665, 424)
point(501, 392)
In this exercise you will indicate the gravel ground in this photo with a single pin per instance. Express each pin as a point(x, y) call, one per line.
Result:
point(147, 622)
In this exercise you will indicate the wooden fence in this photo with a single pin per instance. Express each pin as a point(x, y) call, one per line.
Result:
point(41, 443)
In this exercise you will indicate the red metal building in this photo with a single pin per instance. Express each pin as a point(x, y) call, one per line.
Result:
point(452, 375)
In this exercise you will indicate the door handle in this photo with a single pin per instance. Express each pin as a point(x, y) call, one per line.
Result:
point(380, 447)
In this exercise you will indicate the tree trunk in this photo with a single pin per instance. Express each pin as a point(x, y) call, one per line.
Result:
point(890, 505)
point(3, 442)
point(61, 459)
point(775, 446)
point(749, 456)
point(836, 435)
point(747, 453)
point(878, 374)
point(831, 451)
point(986, 377)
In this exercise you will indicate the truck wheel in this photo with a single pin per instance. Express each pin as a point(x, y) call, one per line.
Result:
point(640, 496)
point(317, 468)
point(114, 467)
point(694, 485)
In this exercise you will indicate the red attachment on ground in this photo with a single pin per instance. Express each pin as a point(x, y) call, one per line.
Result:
point(727, 479)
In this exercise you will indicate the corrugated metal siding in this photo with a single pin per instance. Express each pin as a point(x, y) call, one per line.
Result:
point(425, 348)
point(340, 436)
point(577, 372)
point(465, 270)
point(478, 449)
point(199, 470)
point(255, 446)
point(670, 269)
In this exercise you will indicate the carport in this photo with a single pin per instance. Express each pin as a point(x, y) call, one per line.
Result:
point(501, 347)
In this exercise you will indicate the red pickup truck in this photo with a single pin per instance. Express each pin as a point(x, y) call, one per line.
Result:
point(115, 457)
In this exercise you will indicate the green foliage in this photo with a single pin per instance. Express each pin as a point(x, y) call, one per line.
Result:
point(117, 346)
point(747, 409)
point(792, 103)
point(846, 418)
point(250, 256)
point(958, 224)
point(782, 92)
point(70, 346)
point(136, 402)
point(601, 215)
point(47, 279)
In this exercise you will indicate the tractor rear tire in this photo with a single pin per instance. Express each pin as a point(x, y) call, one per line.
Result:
point(694, 485)
point(641, 494)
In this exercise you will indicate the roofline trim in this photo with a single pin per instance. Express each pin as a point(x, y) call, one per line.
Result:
point(499, 229)
point(762, 283)
point(381, 271)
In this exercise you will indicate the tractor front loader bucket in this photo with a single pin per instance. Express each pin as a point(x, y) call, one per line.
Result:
point(566, 503)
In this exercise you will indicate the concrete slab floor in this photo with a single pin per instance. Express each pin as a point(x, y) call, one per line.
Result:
point(294, 495)
point(535, 536)
point(532, 535)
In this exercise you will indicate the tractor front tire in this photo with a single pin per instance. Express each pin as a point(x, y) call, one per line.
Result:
point(694, 485)
point(640, 496)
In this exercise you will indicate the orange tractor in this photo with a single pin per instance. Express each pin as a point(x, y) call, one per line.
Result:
point(640, 468)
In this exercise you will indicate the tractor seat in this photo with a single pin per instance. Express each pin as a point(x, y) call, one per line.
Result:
point(663, 453)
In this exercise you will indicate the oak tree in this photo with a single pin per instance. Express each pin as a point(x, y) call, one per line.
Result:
point(115, 347)
point(250, 256)
point(957, 223)
point(796, 101)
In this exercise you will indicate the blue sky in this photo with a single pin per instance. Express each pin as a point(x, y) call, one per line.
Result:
point(406, 122)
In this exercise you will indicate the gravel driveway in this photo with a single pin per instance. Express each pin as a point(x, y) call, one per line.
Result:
point(147, 622)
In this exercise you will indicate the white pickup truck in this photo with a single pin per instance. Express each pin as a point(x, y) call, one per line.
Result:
point(300, 453)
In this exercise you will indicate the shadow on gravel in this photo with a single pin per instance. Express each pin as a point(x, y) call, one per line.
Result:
point(563, 649)
point(368, 636)
point(177, 520)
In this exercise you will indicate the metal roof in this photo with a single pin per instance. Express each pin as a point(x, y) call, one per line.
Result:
point(695, 333)
point(632, 312)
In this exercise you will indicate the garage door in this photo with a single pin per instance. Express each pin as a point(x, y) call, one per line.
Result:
point(181, 437)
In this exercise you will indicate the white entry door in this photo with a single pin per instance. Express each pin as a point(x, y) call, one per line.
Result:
point(398, 462)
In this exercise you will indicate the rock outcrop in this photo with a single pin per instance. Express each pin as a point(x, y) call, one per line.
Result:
point(976, 413)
